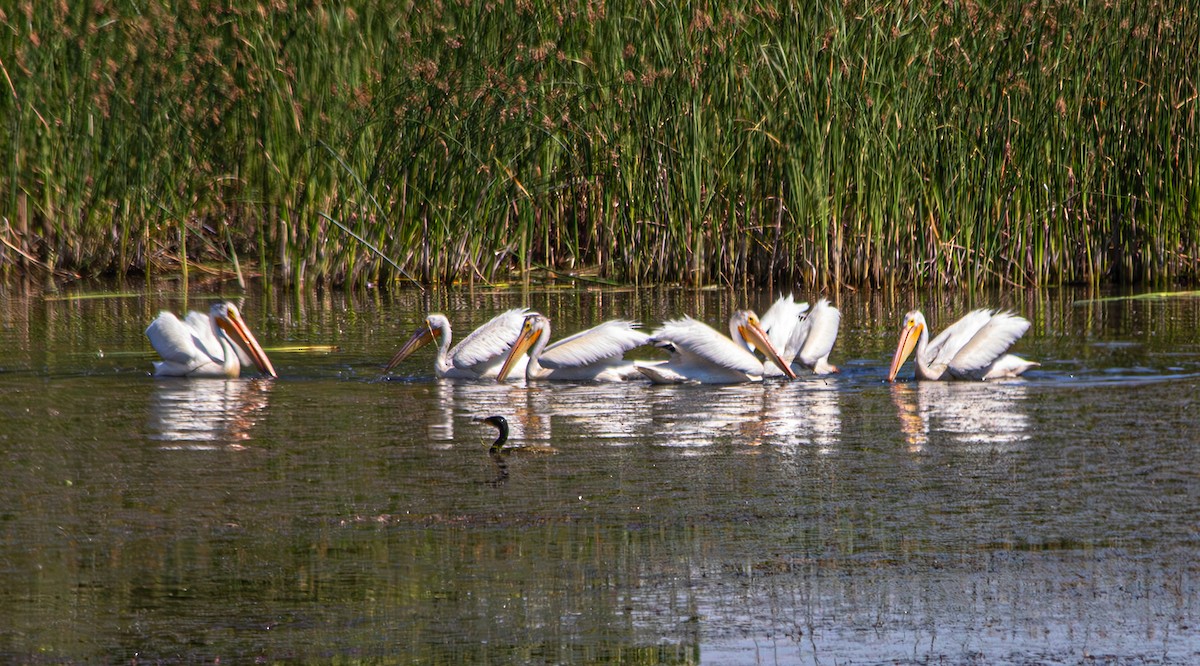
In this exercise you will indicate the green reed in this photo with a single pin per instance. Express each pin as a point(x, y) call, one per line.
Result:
point(846, 143)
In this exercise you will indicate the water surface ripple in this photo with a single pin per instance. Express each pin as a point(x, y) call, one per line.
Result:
point(333, 514)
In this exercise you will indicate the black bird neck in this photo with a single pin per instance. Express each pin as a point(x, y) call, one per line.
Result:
point(501, 425)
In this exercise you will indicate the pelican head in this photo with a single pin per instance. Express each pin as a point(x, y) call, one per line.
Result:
point(746, 324)
point(434, 327)
point(501, 425)
point(910, 334)
point(535, 326)
point(228, 319)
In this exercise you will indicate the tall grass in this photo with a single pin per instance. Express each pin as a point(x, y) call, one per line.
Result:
point(848, 143)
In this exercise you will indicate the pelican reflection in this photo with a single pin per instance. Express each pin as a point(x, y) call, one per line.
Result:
point(614, 412)
point(697, 417)
point(693, 417)
point(461, 401)
point(779, 415)
point(207, 413)
point(804, 414)
point(987, 416)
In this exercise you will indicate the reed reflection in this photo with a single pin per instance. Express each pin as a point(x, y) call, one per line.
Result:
point(207, 413)
point(984, 415)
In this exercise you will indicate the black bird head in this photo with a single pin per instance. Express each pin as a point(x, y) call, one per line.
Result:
point(501, 425)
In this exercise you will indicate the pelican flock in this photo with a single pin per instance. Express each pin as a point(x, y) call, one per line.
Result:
point(791, 338)
point(973, 348)
point(216, 344)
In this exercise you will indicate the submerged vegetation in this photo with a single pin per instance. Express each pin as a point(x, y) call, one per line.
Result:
point(361, 140)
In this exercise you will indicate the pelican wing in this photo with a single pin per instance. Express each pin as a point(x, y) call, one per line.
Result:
point(782, 321)
point(199, 323)
point(182, 342)
point(817, 333)
point(948, 343)
point(989, 342)
point(201, 326)
point(489, 341)
point(696, 340)
point(608, 340)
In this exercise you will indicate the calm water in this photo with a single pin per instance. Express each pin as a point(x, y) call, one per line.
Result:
point(328, 515)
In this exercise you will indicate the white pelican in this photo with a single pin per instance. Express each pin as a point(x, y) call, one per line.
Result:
point(591, 355)
point(216, 344)
point(480, 354)
point(803, 337)
point(973, 348)
point(700, 354)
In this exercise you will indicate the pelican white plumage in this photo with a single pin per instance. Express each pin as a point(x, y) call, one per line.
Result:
point(596, 354)
point(700, 354)
point(479, 355)
point(973, 348)
point(216, 344)
point(803, 336)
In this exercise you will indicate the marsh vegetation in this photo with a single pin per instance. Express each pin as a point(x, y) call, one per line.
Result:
point(857, 143)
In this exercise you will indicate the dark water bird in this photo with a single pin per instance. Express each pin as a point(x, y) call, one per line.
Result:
point(501, 425)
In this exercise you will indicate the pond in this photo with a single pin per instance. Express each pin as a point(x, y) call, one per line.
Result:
point(333, 514)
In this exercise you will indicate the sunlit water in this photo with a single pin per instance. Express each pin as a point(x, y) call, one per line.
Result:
point(331, 515)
